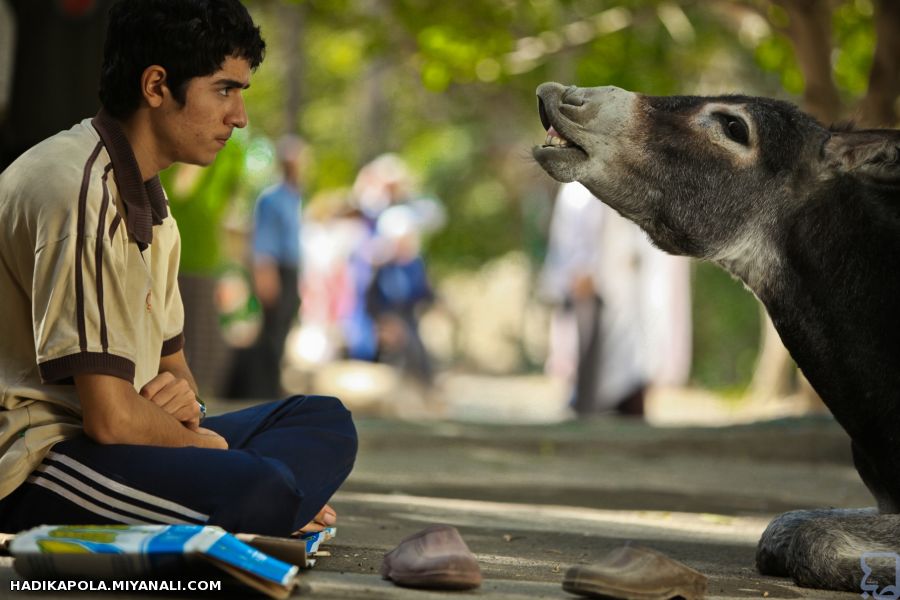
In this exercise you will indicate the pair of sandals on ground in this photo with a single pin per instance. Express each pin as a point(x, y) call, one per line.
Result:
point(438, 558)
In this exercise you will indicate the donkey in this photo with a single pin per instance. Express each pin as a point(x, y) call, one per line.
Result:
point(809, 219)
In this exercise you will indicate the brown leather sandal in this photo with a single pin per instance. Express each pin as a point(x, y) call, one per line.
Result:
point(436, 558)
point(636, 573)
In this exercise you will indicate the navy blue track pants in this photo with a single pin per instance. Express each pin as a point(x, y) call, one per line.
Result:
point(284, 462)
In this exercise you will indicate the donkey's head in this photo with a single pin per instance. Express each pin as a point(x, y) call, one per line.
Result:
point(704, 176)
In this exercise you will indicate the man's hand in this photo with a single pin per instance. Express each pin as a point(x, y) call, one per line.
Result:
point(215, 440)
point(114, 413)
point(175, 396)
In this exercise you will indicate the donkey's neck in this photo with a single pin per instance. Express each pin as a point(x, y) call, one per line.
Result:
point(835, 300)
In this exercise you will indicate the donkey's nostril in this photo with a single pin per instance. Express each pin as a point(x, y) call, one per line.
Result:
point(573, 96)
point(545, 120)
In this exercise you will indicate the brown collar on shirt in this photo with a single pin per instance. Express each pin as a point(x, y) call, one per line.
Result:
point(145, 202)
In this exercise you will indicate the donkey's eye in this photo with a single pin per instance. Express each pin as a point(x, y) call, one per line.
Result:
point(735, 129)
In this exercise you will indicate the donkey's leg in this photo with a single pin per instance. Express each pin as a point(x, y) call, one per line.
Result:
point(772, 552)
point(826, 552)
point(772, 556)
point(868, 471)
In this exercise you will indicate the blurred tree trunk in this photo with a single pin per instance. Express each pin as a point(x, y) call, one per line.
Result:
point(879, 107)
point(773, 375)
point(375, 109)
point(376, 112)
point(810, 33)
point(293, 19)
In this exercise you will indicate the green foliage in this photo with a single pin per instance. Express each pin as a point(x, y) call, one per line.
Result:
point(726, 329)
point(853, 38)
point(198, 200)
point(776, 54)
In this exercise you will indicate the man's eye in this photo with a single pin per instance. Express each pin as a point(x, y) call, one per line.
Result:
point(224, 91)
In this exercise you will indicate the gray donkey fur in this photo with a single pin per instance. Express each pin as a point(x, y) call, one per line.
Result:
point(809, 219)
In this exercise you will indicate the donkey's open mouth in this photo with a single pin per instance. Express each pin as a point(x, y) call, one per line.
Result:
point(557, 144)
point(559, 155)
point(554, 138)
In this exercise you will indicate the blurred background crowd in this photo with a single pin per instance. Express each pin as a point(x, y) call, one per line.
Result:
point(380, 232)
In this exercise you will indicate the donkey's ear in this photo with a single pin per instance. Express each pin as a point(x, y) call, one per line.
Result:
point(872, 155)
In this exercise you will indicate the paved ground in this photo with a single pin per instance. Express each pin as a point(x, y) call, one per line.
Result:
point(533, 499)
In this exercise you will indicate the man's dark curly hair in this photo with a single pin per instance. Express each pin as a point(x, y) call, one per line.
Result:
point(188, 38)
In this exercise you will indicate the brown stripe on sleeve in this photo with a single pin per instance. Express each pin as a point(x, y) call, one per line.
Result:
point(79, 246)
point(173, 345)
point(98, 258)
point(63, 369)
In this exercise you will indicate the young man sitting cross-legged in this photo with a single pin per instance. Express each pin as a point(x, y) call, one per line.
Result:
point(99, 417)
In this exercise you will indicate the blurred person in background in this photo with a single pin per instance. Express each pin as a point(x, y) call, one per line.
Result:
point(622, 321)
point(332, 230)
point(275, 274)
point(399, 293)
point(384, 183)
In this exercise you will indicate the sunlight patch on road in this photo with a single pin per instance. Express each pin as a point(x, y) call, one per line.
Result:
point(542, 517)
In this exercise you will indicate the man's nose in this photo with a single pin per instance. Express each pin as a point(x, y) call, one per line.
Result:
point(237, 117)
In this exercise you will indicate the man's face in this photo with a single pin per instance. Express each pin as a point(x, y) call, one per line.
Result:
point(214, 105)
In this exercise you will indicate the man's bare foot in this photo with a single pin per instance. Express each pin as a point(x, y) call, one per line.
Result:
point(326, 518)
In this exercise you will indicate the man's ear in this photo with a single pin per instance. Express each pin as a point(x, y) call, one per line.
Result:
point(154, 85)
point(873, 155)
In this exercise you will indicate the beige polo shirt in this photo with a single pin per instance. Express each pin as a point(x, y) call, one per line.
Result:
point(88, 284)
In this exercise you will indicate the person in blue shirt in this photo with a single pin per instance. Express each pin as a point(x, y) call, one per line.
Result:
point(276, 265)
point(398, 293)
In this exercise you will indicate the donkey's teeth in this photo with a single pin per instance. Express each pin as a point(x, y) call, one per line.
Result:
point(554, 139)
